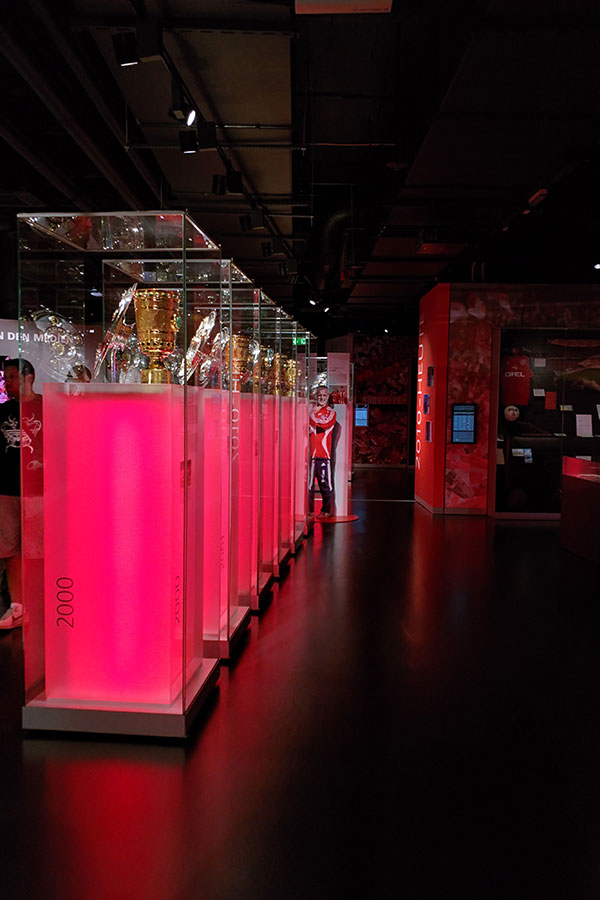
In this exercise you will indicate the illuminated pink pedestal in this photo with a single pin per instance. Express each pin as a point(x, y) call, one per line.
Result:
point(244, 500)
point(116, 598)
point(269, 490)
point(286, 475)
point(301, 474)
point(225, 617)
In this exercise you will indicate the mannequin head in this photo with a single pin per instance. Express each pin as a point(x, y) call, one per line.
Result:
point(322, 396)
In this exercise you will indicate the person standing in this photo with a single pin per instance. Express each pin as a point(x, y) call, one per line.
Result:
point(20, 433)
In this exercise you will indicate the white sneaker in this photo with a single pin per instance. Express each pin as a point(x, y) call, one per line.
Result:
point(13, 617)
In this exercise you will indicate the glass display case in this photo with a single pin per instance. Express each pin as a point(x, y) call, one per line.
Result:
point(580, 507)
point(227, 550)
point(315, 376)
point(123, 438)
point(287, 414)
point(301, 426)
point(269, 445)
point(243, 376)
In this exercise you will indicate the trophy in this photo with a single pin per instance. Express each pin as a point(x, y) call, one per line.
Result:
point(268, 370)
point(243, 359)
point(194, 355)
point(117, 334)
point(289, 370)
point(64, 341)
point(156, 316)
point(277, 372)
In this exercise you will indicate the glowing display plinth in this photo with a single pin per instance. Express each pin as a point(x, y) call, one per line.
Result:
point(213, 487)
point(116, 596)
point(269, 486)
point(114, 543)
point(287, 476)
point(244, 497)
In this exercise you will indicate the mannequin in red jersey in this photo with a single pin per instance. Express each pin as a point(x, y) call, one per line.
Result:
point(323, 433)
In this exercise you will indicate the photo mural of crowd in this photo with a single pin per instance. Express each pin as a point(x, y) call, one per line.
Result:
point(381, 381)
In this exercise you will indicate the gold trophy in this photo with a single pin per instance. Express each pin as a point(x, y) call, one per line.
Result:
point(268, 370)
point(278, 373)
point(238, 349)
point(246, 351)
point(289, 375)
point(156, 320)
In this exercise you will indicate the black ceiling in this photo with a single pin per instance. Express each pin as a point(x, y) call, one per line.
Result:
point(439, 141)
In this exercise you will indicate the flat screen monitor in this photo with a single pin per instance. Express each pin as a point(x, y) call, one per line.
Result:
point(361, 415)
point(463, 423)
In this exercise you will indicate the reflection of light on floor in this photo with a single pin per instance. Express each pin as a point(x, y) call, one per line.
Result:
point(114, 816)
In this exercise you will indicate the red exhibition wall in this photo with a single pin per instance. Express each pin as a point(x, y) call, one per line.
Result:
point(432, 362)
point(458, 325)
point(381, 382)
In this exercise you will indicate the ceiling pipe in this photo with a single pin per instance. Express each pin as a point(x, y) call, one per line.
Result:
point(79, 70)
point(330, 247)
point(45, 168)
point(27, 69)
point(210, 105)
point(184, 24)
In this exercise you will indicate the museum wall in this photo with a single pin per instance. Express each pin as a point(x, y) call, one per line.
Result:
point(382, 377)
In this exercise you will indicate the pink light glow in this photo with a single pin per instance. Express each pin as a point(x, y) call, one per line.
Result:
point(114, 529)
point(213, 461)
point(269, 488)
point(244, 505)
point(301, 499)
point(286, 519)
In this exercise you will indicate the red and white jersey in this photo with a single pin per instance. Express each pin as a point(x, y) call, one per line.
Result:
point(515, 377)
point(321, 424)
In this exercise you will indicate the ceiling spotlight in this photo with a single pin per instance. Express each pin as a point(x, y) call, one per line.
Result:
point(313, 302)
point(206, 133)
point(148, 33)
point(181, 109)
point(278, 247)
point(234, 182)
point(187, 142)
point(95, 292)
point(219, 185)
point(386, 331)
point(326, 309)
point(125, 47)
point(253, 220)
point(597, 266)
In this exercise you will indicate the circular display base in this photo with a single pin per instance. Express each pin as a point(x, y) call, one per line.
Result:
point(336, 520)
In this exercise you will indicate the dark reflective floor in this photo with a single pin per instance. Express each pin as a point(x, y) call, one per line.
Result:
point(415, 715)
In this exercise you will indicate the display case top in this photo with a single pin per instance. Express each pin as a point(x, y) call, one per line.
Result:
point(128, 231)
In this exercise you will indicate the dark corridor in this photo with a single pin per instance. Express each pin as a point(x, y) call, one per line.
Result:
point(414, 715)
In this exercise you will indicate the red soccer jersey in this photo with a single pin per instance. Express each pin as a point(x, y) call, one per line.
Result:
point(322, 421)
point(515, 377)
